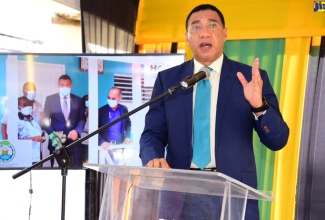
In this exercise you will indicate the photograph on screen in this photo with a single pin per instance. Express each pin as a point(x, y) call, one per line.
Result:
point(49, 98)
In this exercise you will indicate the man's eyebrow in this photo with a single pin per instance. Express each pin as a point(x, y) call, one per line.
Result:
point(209, 19)
point(195, 22)
point(213, 20)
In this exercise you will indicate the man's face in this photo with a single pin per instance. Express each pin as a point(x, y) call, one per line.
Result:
point(114, 94)
point(206, 36)
point(65, 83)
point(29, 88)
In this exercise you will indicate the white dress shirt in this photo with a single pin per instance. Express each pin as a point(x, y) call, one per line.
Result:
point(214, 82)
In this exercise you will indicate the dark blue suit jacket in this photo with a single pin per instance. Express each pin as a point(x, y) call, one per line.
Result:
point(104, 119)
point(169, 123)
point(53, 111)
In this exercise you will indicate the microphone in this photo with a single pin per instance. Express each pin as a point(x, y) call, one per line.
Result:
point(189, 81)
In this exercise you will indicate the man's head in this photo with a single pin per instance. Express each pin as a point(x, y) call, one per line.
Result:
point(114, 97)
point(65, 85)
point(206, 33)
point(29, 90)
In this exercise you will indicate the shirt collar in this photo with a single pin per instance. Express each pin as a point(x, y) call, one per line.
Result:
point(216, 65)
point(62, 96)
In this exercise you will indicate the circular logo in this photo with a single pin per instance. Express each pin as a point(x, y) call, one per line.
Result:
point(7, 151)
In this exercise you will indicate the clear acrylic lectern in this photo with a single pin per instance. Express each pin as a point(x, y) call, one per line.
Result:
point(161, 194)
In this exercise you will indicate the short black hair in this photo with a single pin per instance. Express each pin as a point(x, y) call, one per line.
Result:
point(65, 77)
point(21, 98)
point(204, 7)
point(85, 97)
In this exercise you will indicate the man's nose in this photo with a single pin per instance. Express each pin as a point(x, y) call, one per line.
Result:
point(205, 31)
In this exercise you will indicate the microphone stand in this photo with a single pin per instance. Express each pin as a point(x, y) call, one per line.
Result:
point(63, 157)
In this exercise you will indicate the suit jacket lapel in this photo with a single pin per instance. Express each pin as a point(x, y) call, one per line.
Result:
point(58, 105)
point(71, 105)
point(187, 95)
point(227, 78)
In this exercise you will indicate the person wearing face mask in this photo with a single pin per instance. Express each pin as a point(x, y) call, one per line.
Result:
point(29, 91)
point(120, 132)
point(29, 128)
point(85, 131)
point(64, 111)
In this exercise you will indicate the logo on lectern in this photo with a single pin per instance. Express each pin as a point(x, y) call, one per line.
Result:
point(7, 151)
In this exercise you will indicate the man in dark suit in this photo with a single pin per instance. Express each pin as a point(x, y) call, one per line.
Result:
point(64, 112)
point(120, 132)
point(242, 99)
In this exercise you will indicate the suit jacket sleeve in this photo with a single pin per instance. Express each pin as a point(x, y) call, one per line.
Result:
point(272, 129)
point(127, 125)
point(79, 110)
point(101, 122)
point(47, 115)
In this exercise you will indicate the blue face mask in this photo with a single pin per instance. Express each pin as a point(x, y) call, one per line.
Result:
point(65, 91)
point(87, 104)
point(112, 103)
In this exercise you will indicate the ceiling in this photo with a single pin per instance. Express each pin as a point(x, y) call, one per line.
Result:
point(75, 4)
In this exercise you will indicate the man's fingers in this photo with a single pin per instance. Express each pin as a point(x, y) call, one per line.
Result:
point(150, 163)
point(242, 79)
point(158, 163)
point(164, 164)
point(255, 70)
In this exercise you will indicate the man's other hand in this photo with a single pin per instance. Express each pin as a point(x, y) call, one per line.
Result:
point(158, 163)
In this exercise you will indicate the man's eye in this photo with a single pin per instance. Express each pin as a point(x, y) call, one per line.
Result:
point(213, 25)
point(196, 28)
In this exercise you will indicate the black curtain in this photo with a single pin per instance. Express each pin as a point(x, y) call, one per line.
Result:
point(311, 178)
point(108, 24)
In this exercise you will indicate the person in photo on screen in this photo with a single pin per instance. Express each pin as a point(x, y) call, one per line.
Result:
point(241, 100)
point(29, 91)
point(85, 131)
point(65, 112)
point(119, 133)
point(29, 128)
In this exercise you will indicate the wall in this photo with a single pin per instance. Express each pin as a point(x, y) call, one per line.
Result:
point(29, 23)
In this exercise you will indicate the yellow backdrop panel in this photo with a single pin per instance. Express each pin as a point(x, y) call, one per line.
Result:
point(294, 76)
point(163, 21)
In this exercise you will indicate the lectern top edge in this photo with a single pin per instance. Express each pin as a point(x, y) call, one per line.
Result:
point(157, 177)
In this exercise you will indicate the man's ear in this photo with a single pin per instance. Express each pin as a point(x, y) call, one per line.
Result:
point(225, 31)
point(186, 36)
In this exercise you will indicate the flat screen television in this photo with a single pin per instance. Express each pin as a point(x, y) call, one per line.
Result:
point(92, 75)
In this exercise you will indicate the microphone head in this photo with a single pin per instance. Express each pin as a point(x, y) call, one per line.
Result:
point(189, 81)
point(207, 72)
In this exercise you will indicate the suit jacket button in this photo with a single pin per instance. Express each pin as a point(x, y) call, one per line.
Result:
point(266, 128)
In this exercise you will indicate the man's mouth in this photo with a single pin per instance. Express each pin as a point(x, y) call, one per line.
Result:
point(205, 45)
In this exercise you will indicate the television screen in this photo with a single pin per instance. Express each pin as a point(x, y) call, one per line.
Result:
point(49, 100)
